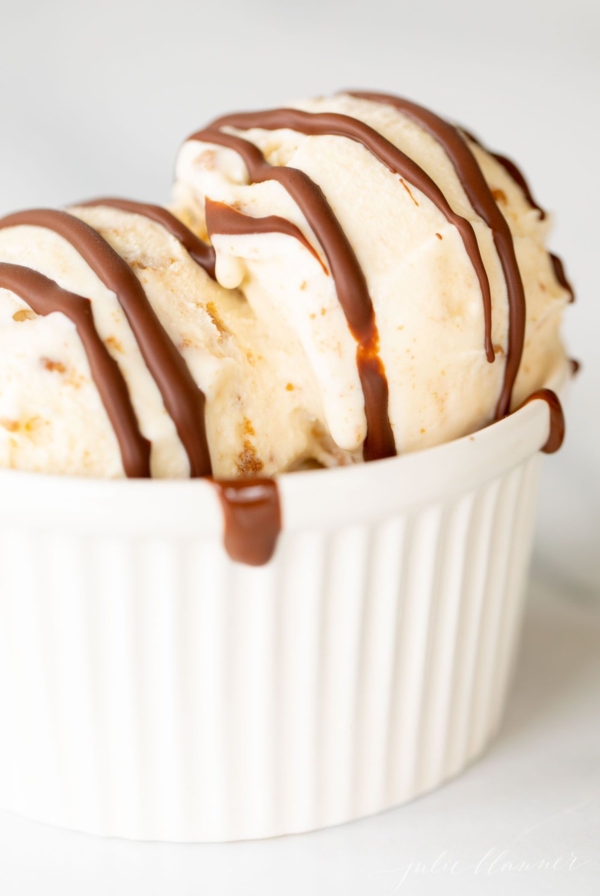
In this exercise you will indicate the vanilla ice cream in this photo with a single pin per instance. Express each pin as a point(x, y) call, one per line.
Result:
point(262, 409)
point(411, 226)
point(343, 280)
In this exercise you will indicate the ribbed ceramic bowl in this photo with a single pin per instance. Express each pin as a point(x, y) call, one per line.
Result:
point(151, 688)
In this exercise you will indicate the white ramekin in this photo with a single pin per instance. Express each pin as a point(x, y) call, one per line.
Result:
point(150, 688)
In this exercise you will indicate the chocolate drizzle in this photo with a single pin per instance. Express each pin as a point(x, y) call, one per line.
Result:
point(252, 516)
point(183, 399)
point(511, 168)
point(515, 173)
point(333, 124)
point(559, 273)
point(480, 196)
point(44, 296)
point(201, 252)
point(221, 218)
point(351, 285)
point(556, 435)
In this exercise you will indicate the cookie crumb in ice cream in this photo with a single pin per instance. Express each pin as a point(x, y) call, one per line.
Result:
point(53, 366)
point(23, 315)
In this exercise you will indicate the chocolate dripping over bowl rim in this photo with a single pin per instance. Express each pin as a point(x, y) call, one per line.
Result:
point(327, 497)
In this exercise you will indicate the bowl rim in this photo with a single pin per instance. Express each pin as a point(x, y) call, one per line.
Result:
point(324, 498)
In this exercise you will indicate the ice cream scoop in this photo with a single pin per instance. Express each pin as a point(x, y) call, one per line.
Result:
point(121, 355)
point(408, 261)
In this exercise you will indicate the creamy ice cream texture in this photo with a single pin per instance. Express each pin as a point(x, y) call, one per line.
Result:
point(381, 285)
point(52, 417)
point(421, 278)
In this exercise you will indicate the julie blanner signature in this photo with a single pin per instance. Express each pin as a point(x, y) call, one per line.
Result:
point(508, 860)
point(494, 861)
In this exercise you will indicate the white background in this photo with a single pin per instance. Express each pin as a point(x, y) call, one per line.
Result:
point(95, 99)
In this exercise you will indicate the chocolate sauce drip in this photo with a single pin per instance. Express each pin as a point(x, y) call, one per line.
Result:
point(511, 168)
point(252, 515)
point(44, 296)
point(519, 178)
point(201, 252)
point(333, 124)
point(559, 273)
point(481, 198)
point(557, 418)
point(221, 218)
point(351, 285)
point(183, 400)
point(575, 366)
point(517, 175)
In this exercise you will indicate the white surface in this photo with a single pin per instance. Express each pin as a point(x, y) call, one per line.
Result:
point(95, 99)
point(525, 820)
